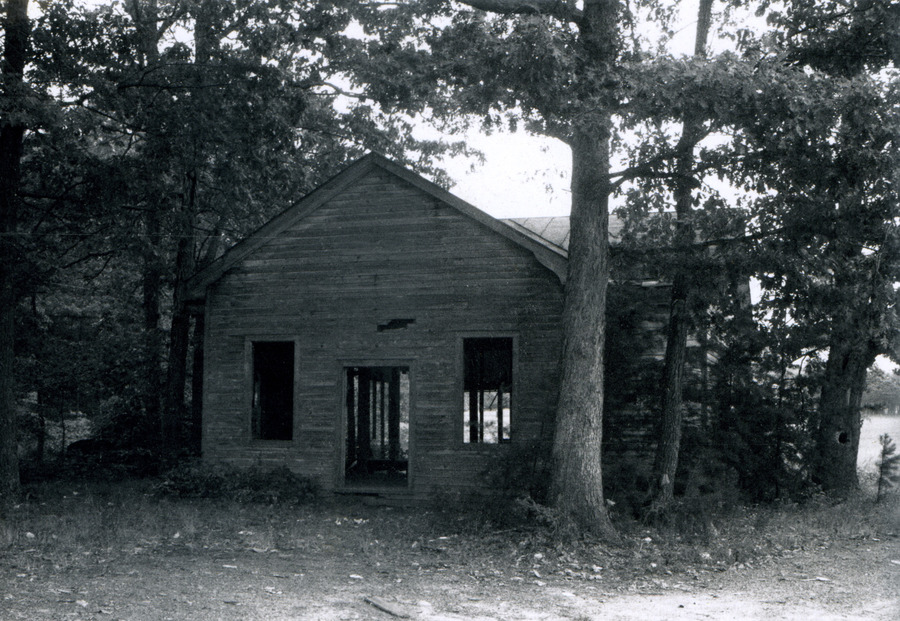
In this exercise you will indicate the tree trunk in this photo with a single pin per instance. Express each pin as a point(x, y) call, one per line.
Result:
point(179, 334)
point(151, 283)
point(145, 15)
point(577, 481)
point(15, 47)
point(576, 478)
point(668, 446)
point(839, 420)
point(173, 411)
point(195, 438)
point(9, 450)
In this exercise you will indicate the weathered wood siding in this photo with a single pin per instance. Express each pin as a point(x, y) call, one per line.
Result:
point(380, 250)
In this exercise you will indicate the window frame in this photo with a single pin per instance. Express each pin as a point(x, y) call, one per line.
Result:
point(460, 421)
point(249, 372)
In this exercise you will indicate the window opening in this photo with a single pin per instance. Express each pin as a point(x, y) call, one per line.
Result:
point(377, 404)
point(487, 385)
point(272, 416)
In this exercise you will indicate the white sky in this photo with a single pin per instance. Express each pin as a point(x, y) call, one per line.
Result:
point(522, 175)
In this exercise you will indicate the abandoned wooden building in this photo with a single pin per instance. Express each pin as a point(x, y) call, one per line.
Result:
point(383, 334)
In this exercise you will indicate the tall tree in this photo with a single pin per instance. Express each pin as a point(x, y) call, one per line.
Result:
point(16, 29)
point(821, 234)
point(840, 204)
point(148, 31)
point(668, 446)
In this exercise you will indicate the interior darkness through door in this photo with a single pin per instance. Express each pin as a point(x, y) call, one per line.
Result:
point(377, 451)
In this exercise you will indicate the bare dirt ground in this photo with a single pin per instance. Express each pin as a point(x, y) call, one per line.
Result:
point(89, 555)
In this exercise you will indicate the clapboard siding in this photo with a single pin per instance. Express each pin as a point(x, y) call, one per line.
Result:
point(380, 249)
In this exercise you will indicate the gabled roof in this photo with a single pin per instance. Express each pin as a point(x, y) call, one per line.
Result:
point(548, 253)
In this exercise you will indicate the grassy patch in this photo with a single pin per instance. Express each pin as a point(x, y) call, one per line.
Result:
point(69, 526)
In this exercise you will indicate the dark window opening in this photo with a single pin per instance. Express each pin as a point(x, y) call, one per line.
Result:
point(487, 386)
point(377, 404)
point(272, 415)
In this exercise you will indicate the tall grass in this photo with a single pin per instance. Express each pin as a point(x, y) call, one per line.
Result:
point(72, 525)
point(67, 522)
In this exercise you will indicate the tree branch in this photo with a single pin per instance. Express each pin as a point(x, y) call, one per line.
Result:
point(556, 8)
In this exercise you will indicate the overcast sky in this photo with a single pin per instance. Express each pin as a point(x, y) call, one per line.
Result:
point(522, 175)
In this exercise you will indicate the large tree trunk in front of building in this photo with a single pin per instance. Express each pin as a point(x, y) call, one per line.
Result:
point(576, 476)
point(577, 481)
point(12, 134)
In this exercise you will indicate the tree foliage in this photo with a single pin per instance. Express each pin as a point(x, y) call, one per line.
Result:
point(810, 147)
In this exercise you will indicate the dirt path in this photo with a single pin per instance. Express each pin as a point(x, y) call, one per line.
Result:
point(323, 564)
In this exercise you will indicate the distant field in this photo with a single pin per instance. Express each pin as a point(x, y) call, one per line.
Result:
point(869, 447)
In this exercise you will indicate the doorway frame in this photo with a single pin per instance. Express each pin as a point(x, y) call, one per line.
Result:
point(341, 436)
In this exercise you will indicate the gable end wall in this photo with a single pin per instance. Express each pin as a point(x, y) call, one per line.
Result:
point(380, 250)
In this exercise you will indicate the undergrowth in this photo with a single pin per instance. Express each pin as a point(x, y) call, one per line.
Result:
point(255, 484)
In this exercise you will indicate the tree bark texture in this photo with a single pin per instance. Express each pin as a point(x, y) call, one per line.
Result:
point(577, 480)
point(668, 446)
point(839, 422)
point(15, 48)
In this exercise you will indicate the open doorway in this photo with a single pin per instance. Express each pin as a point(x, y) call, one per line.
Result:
point(377, 442)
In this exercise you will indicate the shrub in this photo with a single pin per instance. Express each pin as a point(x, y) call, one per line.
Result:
point(519, 478)
point(626, 482)
point(255, 484)
point(888, 466)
